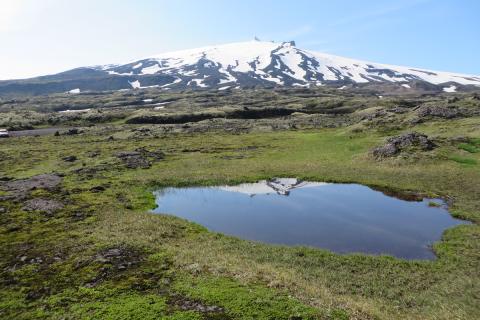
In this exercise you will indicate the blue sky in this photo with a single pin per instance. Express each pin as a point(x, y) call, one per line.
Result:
point(47, 36)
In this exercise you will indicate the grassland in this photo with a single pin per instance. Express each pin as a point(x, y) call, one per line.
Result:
point(104, 256)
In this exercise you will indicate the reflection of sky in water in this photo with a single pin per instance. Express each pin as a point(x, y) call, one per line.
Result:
point(339, 217)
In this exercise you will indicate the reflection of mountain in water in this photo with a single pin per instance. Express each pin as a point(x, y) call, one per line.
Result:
point(280, 186)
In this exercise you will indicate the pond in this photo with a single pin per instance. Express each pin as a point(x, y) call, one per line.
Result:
point(343, 218)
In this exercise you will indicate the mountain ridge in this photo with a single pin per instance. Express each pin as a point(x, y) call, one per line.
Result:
point(237, 65)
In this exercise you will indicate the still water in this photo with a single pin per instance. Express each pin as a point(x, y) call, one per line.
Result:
point(343, 218)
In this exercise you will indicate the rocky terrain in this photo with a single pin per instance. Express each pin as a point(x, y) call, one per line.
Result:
point(77, 175)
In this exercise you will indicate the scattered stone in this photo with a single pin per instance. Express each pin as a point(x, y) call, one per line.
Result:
point(156, 155)
point(438, 111)
point(115, 260)
point(134, 160)
point(43, 205)
point(93, 154)
point(98, 188)
point(142, 132)
point(376, 114)
point(459, 139)
point(396, 144)
point(187, 304)
point(43, 181)
point(90, 172)
point(79, 216)
point(399, 110)
point(69, 159)
point(140, 158)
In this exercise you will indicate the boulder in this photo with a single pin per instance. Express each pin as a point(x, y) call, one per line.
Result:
point(438, 111)
point(395, 145)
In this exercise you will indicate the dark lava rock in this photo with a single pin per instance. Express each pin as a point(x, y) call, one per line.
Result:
point(155, 155)
point(438, 111)
point(69, 159)
point(399, 110)
point(79, 216)
point(73, 131)
point(43, 205)
point(187, 304)
point(140, 158)
point(134, 159)
point(115, 260)
point(119, 256)
point(396, 144)
point(91, 171)
point(98, 188)
point(385, 151)
point(43, 181)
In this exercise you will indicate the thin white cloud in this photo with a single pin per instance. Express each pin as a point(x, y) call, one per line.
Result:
point(376, 13)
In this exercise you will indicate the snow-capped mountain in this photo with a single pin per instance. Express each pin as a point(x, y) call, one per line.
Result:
point(281, 186)
point(237, 65)
point(269, 63)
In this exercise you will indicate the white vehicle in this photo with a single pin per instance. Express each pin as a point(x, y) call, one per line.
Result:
point(4, 133)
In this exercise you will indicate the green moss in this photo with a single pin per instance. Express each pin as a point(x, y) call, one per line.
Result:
point(107, 304)
point(244, 302)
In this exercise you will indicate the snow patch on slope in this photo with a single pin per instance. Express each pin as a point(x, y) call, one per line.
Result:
point(151, 70)
point(135, 84)
point(450, 89)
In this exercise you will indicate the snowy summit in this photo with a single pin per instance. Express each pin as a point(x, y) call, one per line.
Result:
point(248, 64)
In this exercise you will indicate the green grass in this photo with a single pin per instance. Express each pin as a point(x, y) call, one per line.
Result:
point(468, 147)
point(171, 257)
point(463, 160)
